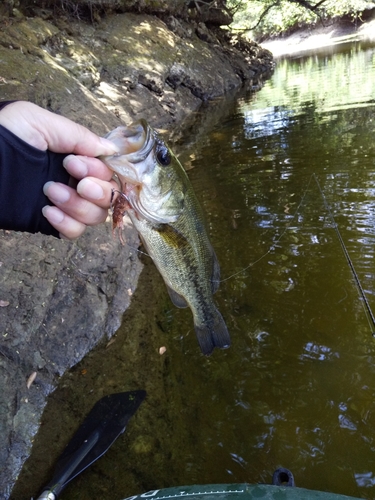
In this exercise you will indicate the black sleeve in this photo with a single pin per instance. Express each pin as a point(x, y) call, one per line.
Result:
point(23, 172)
point(5, 103)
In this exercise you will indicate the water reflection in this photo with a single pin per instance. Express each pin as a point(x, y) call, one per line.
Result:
point(302, 361)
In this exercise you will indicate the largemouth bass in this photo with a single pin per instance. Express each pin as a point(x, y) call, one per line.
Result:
point(159, 199)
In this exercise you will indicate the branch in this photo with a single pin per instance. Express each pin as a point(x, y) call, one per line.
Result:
point(308, 5)
point(264, 13)
point(236, 7)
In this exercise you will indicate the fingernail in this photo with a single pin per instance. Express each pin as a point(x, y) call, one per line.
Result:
point(53, 214)
point(75, 166)
point(57, 193)
point(90, 189)
point(109, 146)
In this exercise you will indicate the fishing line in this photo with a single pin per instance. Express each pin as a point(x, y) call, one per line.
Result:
point(366, 305)
point(346, 253)
point(272, 247)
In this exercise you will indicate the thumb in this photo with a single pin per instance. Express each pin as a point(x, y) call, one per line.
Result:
point(46, 130)
point(65, 136)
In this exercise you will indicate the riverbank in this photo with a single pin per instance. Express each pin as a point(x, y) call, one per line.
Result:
point(60, 299)
point(334, 33)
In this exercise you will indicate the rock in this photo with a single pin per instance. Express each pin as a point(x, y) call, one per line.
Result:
point(210, 13)
point(63, 298)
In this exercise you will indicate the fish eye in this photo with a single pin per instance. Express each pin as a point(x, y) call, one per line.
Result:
point(163, 156)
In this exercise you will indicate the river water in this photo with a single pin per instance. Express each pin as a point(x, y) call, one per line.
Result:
point(286, 177)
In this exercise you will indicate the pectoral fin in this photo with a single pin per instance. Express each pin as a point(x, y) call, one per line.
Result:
point(171, 236)
point(176, 298)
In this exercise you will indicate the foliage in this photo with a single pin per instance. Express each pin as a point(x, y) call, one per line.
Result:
point(272, 17)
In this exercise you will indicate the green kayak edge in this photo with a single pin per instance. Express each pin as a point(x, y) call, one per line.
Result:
point(239, 492)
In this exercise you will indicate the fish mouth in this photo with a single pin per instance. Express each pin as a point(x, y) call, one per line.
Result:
point(135, 144)
point(135, 141)
point(142, 129)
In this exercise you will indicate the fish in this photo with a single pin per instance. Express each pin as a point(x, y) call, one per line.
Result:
point(157, 195)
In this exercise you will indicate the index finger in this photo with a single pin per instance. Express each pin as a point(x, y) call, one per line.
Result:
point(86, 166)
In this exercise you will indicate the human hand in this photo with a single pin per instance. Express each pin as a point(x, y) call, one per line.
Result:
point(76, 207)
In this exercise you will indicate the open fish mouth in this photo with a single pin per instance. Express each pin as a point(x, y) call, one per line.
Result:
point(148, 142)
point(135, 141)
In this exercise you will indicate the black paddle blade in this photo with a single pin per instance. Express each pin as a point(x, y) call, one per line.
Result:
point(102, 426)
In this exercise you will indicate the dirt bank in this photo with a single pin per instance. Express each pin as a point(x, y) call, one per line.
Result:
point(59, 298)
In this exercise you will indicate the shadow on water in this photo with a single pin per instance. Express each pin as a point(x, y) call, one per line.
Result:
point(297, 387)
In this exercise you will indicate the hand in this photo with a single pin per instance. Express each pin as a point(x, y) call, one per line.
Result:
point(76, 207)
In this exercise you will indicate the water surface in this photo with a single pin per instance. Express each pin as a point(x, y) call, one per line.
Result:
point(293, 160)
point(297, 387)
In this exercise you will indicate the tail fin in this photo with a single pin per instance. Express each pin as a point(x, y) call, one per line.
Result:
point(213, 333)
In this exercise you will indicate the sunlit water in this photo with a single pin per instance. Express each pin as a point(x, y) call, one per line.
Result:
point(297, 387)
